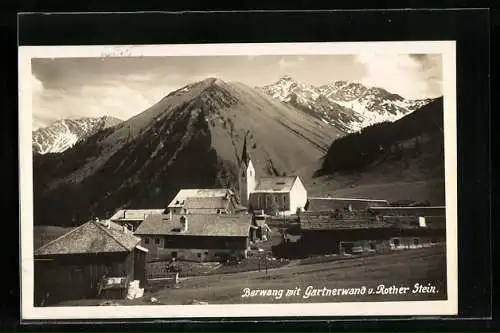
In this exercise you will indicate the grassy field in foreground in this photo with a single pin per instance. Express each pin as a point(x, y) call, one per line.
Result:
point(402, 268)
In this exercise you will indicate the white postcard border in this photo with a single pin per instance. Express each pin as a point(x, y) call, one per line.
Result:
point(410, 308)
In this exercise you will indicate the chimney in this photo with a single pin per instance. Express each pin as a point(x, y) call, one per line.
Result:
point(184, 224)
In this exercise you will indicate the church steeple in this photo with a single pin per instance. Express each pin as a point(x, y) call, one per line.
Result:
point(247, 174)
point(245, 158)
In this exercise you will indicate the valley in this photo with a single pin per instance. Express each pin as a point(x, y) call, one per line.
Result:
point(194, 136)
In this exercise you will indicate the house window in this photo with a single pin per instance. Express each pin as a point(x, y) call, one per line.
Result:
point(174, 254)
point(157, 241)
point(199, 255)
point(396, 242)
point(146, 240)
point(372, 246)
point(415, 241)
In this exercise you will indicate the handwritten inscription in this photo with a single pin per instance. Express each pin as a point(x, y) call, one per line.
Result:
point(311, 291)
point(117, 51)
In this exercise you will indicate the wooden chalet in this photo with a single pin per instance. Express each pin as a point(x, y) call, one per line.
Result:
point(325, 232)
point(75, 265)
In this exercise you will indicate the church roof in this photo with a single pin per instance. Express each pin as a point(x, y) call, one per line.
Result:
point(275, 184)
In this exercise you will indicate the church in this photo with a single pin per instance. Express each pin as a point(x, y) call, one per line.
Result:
point(273, 195)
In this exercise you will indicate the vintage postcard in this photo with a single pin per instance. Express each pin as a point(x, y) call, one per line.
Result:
point(238, 180)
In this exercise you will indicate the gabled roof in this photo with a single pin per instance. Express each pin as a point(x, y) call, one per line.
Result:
point(206, 203)
point(198, 225)
point(275, 184)
point(92, 237)
point(134, 214)
point(182, 195)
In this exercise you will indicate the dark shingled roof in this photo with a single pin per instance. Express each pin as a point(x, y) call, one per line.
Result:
point(198, 225)
point(326, 221)
point(275, 184)
point(309, 221)
point(91, 237)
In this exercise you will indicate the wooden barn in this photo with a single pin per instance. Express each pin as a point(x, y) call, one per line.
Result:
point(325, 233)
point(73, 266)
point(195, 237)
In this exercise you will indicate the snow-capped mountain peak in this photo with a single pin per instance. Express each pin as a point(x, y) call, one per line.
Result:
point(65, 133)
point(287, 88)
point(344, 104)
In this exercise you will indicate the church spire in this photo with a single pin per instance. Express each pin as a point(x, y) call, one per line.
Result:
point(245, 158)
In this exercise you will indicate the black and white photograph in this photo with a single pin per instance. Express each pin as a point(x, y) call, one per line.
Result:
point(238, 180)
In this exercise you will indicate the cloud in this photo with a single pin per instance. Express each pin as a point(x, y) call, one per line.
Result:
point(119, 98)
point(36, 85)
point(412, 76)
point(286, 64)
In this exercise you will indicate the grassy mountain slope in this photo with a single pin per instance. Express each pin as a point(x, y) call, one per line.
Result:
point(191, 138)
point(395, 161)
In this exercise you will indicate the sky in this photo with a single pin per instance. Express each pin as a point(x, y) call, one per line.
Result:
point(125, 86)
